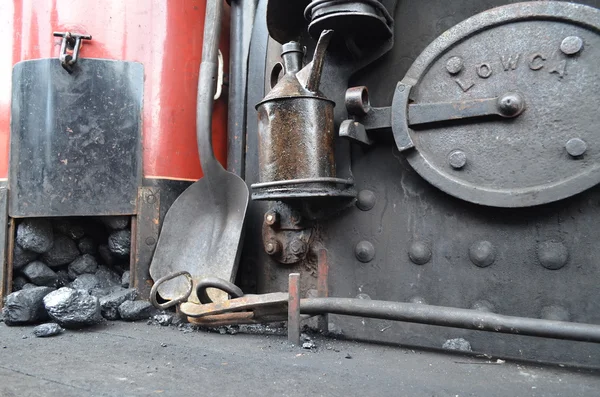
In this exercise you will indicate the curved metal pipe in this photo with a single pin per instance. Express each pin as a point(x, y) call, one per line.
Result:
point(452, 317)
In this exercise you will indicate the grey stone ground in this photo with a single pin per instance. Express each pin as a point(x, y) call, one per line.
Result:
point(135, 359)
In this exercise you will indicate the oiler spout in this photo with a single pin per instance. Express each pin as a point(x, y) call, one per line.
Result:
point(314, 78)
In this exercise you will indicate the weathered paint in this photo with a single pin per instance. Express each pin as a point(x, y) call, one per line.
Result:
point(165, 36)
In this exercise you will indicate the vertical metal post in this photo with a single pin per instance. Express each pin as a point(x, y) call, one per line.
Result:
point(323, 287)
point(294, 309)
point(144, 230)
point(7, 230)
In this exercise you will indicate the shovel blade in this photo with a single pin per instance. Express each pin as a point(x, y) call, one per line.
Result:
point(202, 234)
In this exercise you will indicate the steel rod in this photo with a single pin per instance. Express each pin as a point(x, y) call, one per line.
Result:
point(294, 309)
point(452, 317)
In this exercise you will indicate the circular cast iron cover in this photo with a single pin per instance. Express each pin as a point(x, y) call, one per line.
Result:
point(520, 161)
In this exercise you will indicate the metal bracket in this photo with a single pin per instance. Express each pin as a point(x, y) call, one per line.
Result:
point(145, 228)
point(285, 236)
point(70, 41)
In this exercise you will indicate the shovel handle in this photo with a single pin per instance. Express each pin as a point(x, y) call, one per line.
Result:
point(171, 303)
point(214, 282)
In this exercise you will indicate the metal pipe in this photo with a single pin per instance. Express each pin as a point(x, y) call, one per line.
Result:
point(242, 20)
point(452, 317)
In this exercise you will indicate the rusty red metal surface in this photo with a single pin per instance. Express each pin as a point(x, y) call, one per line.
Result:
point(165, 36)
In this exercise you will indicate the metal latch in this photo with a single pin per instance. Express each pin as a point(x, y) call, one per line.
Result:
point(70, 42)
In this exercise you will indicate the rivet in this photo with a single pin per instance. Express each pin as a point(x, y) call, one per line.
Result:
point(454, 65)
point(482, 253)
point(418, 299)
point(457, 159)
point(576, 147)
point(150, 199)
point(571, 45)
point(555, 313)
point(273, 247)
point(150, 241)
point(363, 296)
point(298, 247)
point(553, 255)
point(511, 104)
point(483, 306)
point(271, 217)
point(366, 200)
point(419, 253)
point(364, 251)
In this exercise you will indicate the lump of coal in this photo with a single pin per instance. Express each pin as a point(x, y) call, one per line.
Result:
point(164, 319)
point(86, 282)
point(458, 344)
point(119, 243)
point(136, 310)
point(26, 306)
point(35, 235)
point(48, 329)
point(115, 222)
point(63, 278)
point(22, 257)
point(29, 286)
point(100, 292)
point(73, 308)
point(69, 228)
point(106, 256)
point(110, 303)
point(87, 245)
point(18, 283)
point(125, 279)
point(107, 277)
point(40, 274)
point(82, 265)
point(63, 252)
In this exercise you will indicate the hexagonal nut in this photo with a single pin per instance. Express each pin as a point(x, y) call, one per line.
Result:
point(298, 247)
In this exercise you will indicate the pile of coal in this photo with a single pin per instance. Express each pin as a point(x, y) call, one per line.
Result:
point(73, 272)
point(83, 252)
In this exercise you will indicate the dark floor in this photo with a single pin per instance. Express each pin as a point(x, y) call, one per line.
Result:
point(135, 359)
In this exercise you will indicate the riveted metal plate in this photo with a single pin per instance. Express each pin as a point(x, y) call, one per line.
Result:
point(546, 51)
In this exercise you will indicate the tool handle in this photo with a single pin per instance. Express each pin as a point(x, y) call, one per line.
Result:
point(206, 86)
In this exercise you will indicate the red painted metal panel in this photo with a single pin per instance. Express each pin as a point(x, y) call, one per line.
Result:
point(166, 36)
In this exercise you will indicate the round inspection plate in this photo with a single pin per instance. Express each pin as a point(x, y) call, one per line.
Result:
point(549, 53)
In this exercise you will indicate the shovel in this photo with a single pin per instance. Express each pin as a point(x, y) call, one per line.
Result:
point(203, 230)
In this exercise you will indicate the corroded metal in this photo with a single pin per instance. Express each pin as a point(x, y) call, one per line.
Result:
point(296, 132)
point(522, 55)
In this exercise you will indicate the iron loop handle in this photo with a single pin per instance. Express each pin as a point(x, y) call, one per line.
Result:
point(218, 283)
point(171, 303)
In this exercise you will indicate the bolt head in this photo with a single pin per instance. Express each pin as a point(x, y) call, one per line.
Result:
point(298, 247)
point(419, 253)
point(576, 147)
point(272, 247)
point(366, 200)
point(364, 251)
point(457, 159)
point(553, 255)
point(271, 217)
point(571, 45)
point(511, 104)
point(482, 253)
point(454, 65)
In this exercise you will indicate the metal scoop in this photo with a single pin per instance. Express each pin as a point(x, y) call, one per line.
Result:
point(203, 230)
